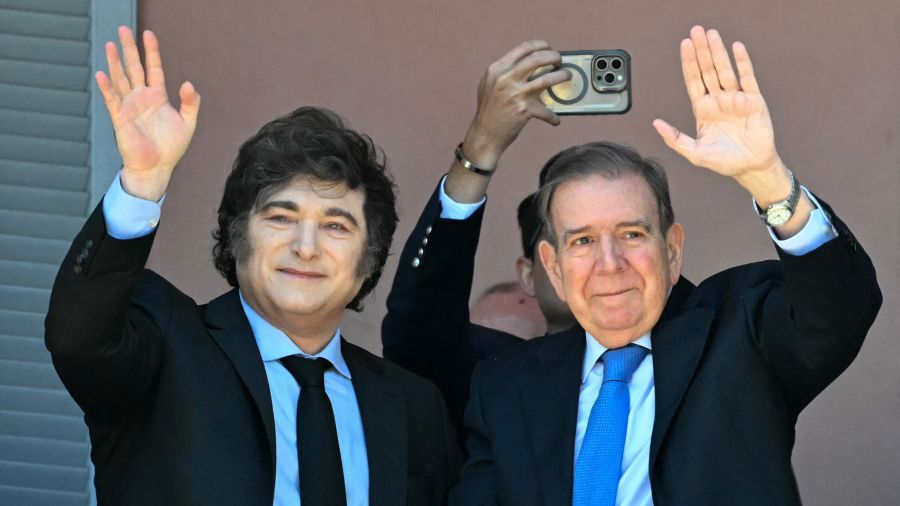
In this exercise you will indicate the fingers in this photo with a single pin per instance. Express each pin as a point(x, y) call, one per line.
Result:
point(517, 53)
point(682, 144)
point(120, 83)
point(133, 67)
point(155, 75)
point(691, 70)
point(527, 65)
point(541, 112)
point(110, 97)
point(721, 61)
point(745, 68)
point(548, 80)
point(704, 59)
point(190, 104)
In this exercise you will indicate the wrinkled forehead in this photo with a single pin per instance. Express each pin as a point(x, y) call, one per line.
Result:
point(602, 199)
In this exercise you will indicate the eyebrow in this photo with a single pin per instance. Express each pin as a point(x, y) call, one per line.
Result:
point(646, 225)
point(292, 206)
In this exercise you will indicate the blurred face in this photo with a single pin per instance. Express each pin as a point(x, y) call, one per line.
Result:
point(306, 244)
point(613, 265)
point(535, 281)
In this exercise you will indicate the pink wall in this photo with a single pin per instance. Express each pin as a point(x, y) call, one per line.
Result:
point(406, 72)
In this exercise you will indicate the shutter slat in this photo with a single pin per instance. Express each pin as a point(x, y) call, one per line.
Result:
point(65, 479)
point(43, 200)
point(44, 75)
point(44, 175)
point(41, 497)
point(59, 428)
point(32, 98)
point(74, 7)
point(42, 451)
point(52, 401)
point(32, 300)
point(44, 24)
point(44, 125)
point(27, 274)
point(49, 226)
point(31, 249)
point(21, 323)
point(28, 374)
point(38, 149)
point(23, 349)
point(42, 49)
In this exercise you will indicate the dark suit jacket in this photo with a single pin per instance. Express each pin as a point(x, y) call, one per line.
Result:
point(427, 328)
point(176, 397)
point(735, 360)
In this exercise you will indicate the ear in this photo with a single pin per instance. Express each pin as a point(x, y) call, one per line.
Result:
point(675, 250)
point(525, 269)
point(550, 259)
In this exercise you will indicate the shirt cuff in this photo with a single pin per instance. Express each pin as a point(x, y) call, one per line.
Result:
point(453, 210)
point(127, 216)
point(817, 231)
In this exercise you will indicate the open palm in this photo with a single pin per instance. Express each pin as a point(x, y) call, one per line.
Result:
point(152, 136)
point(734, 129)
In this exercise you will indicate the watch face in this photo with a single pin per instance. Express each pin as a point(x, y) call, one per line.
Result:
point(778, 216)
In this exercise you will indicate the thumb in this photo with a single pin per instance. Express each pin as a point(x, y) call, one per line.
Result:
point(190, 104)
point(682, 144)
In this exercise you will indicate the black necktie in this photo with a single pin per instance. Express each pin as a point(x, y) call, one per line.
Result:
point(318, 453)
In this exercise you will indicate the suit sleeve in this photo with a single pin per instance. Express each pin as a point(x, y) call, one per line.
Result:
point(426, 329)
point(811, 325)
point(106, 352)
point(477, 484)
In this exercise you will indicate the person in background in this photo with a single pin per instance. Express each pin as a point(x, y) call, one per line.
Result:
point(507, 308)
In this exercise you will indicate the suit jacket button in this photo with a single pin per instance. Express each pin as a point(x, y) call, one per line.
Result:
point(79, 258)
point(421, 252)
point(425, 242)
point(89, 243)
point(428, 230)
point(85, 252)
point(77, 269)
point(416, 262)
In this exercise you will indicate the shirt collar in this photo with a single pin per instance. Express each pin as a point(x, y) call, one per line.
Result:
point(274, 344)
point(594, 350)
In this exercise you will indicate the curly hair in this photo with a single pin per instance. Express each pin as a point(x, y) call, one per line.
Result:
point(313, 142)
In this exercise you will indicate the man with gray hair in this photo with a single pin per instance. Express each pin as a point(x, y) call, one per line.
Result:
point(666, 392)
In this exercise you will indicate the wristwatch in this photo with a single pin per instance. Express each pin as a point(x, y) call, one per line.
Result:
point(780, 212)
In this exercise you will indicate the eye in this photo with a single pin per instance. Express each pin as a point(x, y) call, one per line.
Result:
point(582, 241)
point(633, 234)
point(278, 218)
point(333, 225)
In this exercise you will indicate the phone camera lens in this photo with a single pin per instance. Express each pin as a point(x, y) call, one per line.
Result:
point(609, 78)
point(602, 64)
point(616, 64)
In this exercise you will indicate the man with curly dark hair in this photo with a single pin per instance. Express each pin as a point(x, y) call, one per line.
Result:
point(255, 397)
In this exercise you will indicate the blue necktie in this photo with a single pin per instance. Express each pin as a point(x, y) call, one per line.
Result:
point(599, 463)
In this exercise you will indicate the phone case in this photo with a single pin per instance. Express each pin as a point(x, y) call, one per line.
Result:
point(600, 84)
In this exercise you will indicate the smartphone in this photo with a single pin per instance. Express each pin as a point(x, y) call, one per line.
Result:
point(600, 84)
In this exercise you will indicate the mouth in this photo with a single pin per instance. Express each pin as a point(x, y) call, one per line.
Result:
point(613, 294)
point(301, 274)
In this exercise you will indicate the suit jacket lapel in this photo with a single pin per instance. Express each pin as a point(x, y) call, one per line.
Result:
point(384, 420)
point(230, 329)
point(549, 391)
point(679, 339)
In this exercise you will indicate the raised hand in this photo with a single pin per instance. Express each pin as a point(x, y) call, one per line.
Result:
point(151, 135)
point(507, 100)
point(734, 130)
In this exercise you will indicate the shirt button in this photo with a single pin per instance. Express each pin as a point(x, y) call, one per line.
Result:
point(416, 262)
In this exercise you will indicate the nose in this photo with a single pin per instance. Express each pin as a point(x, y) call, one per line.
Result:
point(609, 257)
point(306, 242)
